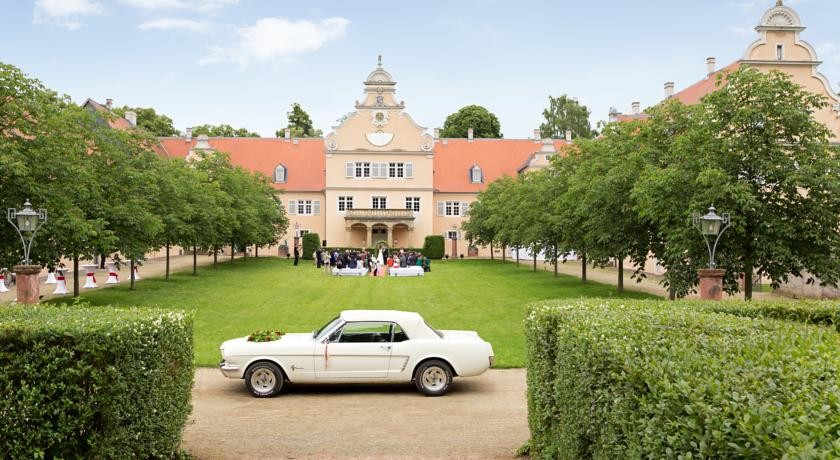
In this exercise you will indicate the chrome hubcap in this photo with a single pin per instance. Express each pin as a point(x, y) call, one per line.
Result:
point(434, 378)
point(263, 380)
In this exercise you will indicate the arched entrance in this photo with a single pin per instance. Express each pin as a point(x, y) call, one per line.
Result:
point(358, 235)
point(401, 237)
point(379, 232)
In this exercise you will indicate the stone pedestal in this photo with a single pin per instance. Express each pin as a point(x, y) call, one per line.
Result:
point(28, 285)
point(711, 284)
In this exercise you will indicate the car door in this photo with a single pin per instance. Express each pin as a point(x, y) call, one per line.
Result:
point(357, 350)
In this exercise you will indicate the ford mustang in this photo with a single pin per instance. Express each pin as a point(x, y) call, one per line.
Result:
point(359, 346)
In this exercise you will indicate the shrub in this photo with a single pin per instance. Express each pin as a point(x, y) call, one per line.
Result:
point(93, 382)
point(433, 247)
point(311, 242)
point(810, 312)
point(662, 380)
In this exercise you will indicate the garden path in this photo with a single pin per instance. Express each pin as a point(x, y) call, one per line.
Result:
point(482, 417)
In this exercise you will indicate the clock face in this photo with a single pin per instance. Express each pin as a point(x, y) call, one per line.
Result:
point(380, 116)
point(380, 100)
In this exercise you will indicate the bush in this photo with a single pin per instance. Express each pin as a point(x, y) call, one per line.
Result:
point(311, 242)
point(647, 379)
point(810, 312)
point(93, 382)
point(433, 247)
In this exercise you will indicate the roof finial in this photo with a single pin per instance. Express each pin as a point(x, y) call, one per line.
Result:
point(779, 3)
point(379, 61)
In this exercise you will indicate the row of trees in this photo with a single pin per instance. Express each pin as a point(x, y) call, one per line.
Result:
point(752, 148)
point(107, 191)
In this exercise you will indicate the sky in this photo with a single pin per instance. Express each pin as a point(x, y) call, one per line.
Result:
point(244, 62)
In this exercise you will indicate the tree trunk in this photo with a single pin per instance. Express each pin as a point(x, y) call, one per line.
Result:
point(621, 275)
point(102, 261)
point(131, 266)
point(167, 262)
point(76, 276)
point(672, 292)
point(245, 253)
point(491, 250)
point(256, 251)
point(535, 259)
point(556, 258)
point(748, 285)
point(504, 253)
point(517, 257)
point(195, 260)
point(231, 251)
point(215, 257)
point(583, 267)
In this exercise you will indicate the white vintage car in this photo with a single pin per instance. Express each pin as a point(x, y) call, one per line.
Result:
point(360, 346)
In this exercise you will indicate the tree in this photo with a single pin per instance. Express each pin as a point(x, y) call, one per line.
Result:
point(222, 131)
point(158, 124)
point(299, 123)
point(756, 152)
point(565, 113)
point(483, 123)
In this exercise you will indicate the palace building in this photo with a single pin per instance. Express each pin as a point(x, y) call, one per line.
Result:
point(379, 176)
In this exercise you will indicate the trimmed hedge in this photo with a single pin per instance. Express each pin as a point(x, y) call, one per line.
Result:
point(311, 242)
point(433, 247)
point(804, 311)
point(93, 382)
point(649, 379)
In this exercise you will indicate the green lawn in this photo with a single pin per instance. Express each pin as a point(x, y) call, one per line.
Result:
point(236, 299)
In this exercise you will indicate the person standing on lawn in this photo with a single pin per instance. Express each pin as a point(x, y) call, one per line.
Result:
point(297, 255)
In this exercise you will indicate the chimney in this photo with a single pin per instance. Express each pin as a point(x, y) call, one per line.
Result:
point(470, 134)
point(188, 135)
point(131, 117)
point(637, 108)
point(669, 90)
point(287, 134)
point(437, 133)
point(537, 134)
point(109, 103)
point(568, 135)
point(710, 65)
point(613, 114)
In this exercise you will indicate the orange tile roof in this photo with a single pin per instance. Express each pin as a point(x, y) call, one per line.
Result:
point(116, 122)
point(695, 92)
point(496, 157)
point(621, 118)
point(305, 161)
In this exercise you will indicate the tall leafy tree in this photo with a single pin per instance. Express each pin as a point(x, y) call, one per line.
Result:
point(223, 130)
point(299, 123)
point(484, 123)
point(147, 118)
point(566, 113)
point(757, 153)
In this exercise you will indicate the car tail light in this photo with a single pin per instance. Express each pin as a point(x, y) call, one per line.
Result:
point(492, 361)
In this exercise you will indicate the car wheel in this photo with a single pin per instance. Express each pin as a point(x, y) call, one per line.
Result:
point(433, 378)
point(264, 379)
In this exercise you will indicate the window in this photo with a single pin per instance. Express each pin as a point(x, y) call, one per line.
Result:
point(475, 175)
point(369, 332)
point(305, 207)
point(345, 203)
point(452, 235)
point(280, 174)
point(399, 334)
point(452, 208)
point(780, 52)
point(396, 170)
point(362, 170)
point(412, 203)
point(379, 202)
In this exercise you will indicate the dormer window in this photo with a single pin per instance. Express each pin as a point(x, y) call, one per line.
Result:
point(780, 52)
point(280, 174)
point(476, 177)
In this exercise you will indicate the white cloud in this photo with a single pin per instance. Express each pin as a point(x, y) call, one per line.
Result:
point(273, 39)
point(172, 23)
point(65, 13)
point(203, 6)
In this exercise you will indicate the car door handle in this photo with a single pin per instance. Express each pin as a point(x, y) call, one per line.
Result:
point(386, 347)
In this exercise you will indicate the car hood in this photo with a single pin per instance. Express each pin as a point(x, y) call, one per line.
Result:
point(242, 345)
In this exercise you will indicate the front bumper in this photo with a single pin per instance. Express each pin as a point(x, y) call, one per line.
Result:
point(229, 370)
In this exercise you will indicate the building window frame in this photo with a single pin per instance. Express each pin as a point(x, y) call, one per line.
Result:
point(280, 174)
point(361, 170)
point(345, 203)
point(379, 202)
point(476, 174)
point(413, 203)
point(780, 52)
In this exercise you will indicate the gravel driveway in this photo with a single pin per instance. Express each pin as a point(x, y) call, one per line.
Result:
point(482, 417)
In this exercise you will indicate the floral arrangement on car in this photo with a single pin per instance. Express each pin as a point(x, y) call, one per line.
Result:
point(265, 336)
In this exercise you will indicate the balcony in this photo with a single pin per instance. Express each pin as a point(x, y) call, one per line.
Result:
point(379, 215)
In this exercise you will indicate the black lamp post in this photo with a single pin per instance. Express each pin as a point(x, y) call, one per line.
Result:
point(26, 223)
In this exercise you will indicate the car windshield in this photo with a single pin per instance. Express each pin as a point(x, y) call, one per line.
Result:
point(319, 334)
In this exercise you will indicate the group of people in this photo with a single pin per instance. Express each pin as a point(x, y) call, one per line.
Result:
point(376, 265)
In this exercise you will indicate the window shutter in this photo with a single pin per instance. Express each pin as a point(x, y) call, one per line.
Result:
point(316, 208)
point(292, 207)
point(409, 170)
point(383, 170)
point(348, 169)
point(374, 170)
point(458, 235)
point(465, 207)
point(441, 208)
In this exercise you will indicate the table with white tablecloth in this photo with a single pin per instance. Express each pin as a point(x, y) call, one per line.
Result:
point(349, 271)
point(407, 271)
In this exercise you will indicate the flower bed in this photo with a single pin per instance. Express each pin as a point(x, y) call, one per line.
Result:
point(93, 382)
point(664, 380)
